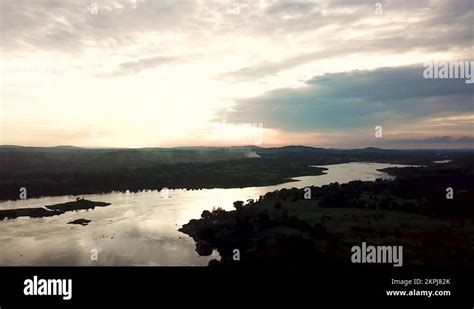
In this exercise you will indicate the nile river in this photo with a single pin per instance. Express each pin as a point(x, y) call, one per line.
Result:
point(137, 228)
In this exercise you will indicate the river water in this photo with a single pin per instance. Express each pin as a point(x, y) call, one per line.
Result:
point(137, 228)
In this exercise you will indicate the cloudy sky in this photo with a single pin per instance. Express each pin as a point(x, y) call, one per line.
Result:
point(159, 73)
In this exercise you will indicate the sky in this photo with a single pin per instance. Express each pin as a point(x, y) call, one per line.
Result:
point(164, 73)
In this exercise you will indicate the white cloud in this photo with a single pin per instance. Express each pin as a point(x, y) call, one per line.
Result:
point(161, 69)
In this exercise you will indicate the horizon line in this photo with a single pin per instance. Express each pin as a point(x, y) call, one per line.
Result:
point(235, 146)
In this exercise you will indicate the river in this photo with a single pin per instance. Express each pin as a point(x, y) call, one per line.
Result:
point(137, 228)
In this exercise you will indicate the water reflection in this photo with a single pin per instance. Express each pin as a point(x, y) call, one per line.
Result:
point(138, 228)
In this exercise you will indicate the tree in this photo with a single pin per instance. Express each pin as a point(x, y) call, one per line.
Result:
point(238, 205)
point(206, 214)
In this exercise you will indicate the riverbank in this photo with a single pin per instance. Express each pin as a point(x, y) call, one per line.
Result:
point(59, 171)
point(288, 228)
point(144, 225)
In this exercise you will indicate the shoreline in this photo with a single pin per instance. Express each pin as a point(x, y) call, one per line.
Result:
point(319, 170)
point(284, 226)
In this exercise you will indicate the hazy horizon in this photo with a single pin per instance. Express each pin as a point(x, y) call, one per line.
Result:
point(234, 146)
point(149, 73)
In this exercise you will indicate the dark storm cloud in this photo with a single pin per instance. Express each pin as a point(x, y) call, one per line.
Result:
point(436, 140)
point(357, 99)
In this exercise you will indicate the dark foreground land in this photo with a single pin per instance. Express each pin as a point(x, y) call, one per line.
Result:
point(51, 210)
point(285, 230)
point(75, 171)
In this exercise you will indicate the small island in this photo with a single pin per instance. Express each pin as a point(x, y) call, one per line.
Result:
point(82, 222)
point(50, 210)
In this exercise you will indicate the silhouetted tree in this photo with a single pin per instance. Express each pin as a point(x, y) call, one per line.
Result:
point(238, 205)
